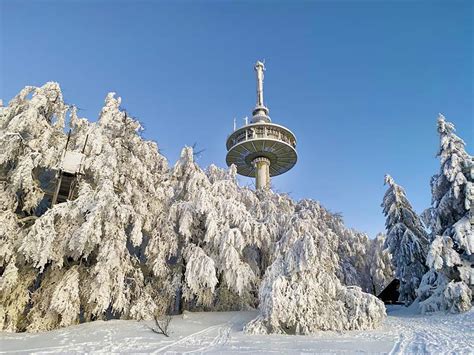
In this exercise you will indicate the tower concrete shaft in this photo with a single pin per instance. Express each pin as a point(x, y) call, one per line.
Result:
point(262, 172)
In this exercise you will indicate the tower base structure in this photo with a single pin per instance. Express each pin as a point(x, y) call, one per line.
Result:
point(262, 172)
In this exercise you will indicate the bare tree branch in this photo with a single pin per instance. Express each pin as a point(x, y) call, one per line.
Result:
point(162, 324)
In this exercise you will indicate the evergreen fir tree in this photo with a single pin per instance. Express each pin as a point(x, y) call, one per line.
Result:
point(406, 240)
point(446, 286)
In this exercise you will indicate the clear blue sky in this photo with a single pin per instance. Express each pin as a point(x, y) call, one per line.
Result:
point(359, 82)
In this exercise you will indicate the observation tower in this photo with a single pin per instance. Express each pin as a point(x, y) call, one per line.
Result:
point(261, 148)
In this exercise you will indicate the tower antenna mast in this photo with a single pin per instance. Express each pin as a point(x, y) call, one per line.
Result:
point(259, 69)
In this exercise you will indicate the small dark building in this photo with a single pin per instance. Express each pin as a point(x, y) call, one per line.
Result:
point(390, 294)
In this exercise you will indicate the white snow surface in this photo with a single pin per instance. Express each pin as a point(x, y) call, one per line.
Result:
point(403, 331)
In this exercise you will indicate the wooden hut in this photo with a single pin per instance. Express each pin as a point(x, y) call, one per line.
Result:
point(390, 294)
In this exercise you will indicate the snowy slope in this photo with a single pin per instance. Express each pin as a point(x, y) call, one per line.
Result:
point(402, 332)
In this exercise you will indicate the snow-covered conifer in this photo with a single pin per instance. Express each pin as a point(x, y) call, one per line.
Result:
point(301, 293)
point(379, 265)
point(406, 240)
point(354, 255)
point(214, 225)
point(140, 238)
point(91, 243)
point(448, 284)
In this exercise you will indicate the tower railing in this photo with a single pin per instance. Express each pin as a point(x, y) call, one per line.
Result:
point(264, 132)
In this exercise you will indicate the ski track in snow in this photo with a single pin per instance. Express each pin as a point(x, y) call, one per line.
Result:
point(193, 339)
point(446, 333)
point(221, 332)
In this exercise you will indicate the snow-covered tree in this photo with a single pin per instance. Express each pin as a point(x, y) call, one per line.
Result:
point(379, 265)
point(82, 258)
point(214, 228)
point(406, 240)
point(301, 293)
point(357, 254)
point(448, 284)
point(140, 238)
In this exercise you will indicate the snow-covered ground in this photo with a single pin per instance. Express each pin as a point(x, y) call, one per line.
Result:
point(402, 332)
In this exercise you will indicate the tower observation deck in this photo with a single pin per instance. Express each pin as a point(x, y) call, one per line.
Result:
point(261, 149)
